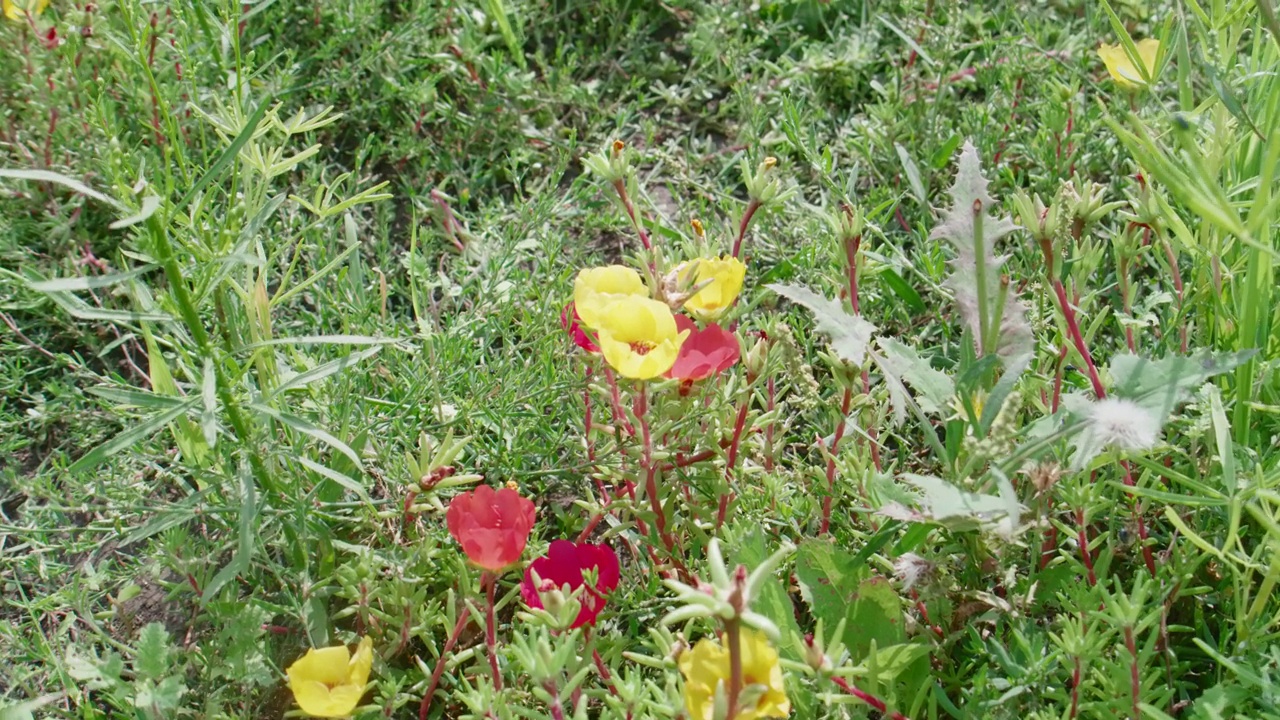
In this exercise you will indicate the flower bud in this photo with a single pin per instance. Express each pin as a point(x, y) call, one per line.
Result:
point(814, 655)
point(757, 357)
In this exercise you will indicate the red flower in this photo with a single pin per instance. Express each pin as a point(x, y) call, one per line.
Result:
point(492, 526)
point(706, 352)
point(573, 325)
point(564, 565)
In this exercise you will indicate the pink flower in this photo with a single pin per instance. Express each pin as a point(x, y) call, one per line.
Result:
point(565, 564)
point(706, 352)
point(492, 526)
point(573, 325)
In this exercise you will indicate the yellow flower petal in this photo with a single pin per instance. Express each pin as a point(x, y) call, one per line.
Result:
point(638, 337)
point(725, 274)
point(329, 682)
point(362, 662)
point(704, 666)
point(596, 288)
point(330, 666)
point(707, 665)
point(1122, 68)
point(18, 9)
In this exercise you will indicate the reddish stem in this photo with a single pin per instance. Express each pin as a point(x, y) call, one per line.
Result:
point(831, 461)
point(1135, 685)
point(772, 394)
point(867, 698)
point(490, 580)
point(1075, 688)
point(619, 418)
point(621, 189)
point(1148, 556)
point(749, 213)
point(1073, 329)
point(1083, 540)
point(439, 668)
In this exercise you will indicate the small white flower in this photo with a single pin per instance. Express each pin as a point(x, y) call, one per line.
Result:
point(911, 569)
point(1124, 424)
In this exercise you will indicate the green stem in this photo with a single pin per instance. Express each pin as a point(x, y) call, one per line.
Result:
point(191, 316)
point(980, 271)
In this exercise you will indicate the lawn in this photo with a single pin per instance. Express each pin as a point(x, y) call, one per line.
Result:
point(631, 359)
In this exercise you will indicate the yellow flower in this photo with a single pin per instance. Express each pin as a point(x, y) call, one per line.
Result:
point(707, 665)
point(639, 337)
point(1122, 68)
point(596, 288)
point(725, 275)
point(329, 682)
point(18, 9)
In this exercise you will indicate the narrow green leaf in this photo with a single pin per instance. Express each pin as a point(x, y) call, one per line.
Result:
point(130, 437)
point(150, 204)
point(903, 290)
point(63, 180)
point(346, 481)
point(228, 155)
point(306, 428)
point(304, 379)
point(88, 282)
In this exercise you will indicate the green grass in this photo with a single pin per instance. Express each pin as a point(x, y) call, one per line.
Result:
point(176, 529)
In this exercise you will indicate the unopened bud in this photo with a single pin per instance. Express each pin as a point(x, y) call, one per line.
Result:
point(756, 358)
point(697, 228)
point(618, 147)
point(814, 655)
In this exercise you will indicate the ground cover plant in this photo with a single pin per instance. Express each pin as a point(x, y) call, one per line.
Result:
point(705, 360)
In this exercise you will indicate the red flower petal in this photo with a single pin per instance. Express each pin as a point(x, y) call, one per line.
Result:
point(573, 326)
point(492, 526)
point(565, 564)
point(706, 352)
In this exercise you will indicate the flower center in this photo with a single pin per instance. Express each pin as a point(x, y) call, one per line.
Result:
point(641, 348)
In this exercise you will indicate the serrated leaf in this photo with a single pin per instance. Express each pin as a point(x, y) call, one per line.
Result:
point(957, 509)
point(1162, 385)
point(976, 263)
point(836, 586)
point(151, 657)
point(849, 334)
point(934, 388)
point(1155, 387)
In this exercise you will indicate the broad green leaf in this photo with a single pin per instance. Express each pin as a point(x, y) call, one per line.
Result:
point(875, 616)
point(151, 658)
point(836, 587)
point(849, 334)
point(24, 710)
point(947, 505)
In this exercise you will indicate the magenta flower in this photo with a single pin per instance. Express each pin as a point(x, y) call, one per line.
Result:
point(564, 564)
point(706, 352)
point(573, 325)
